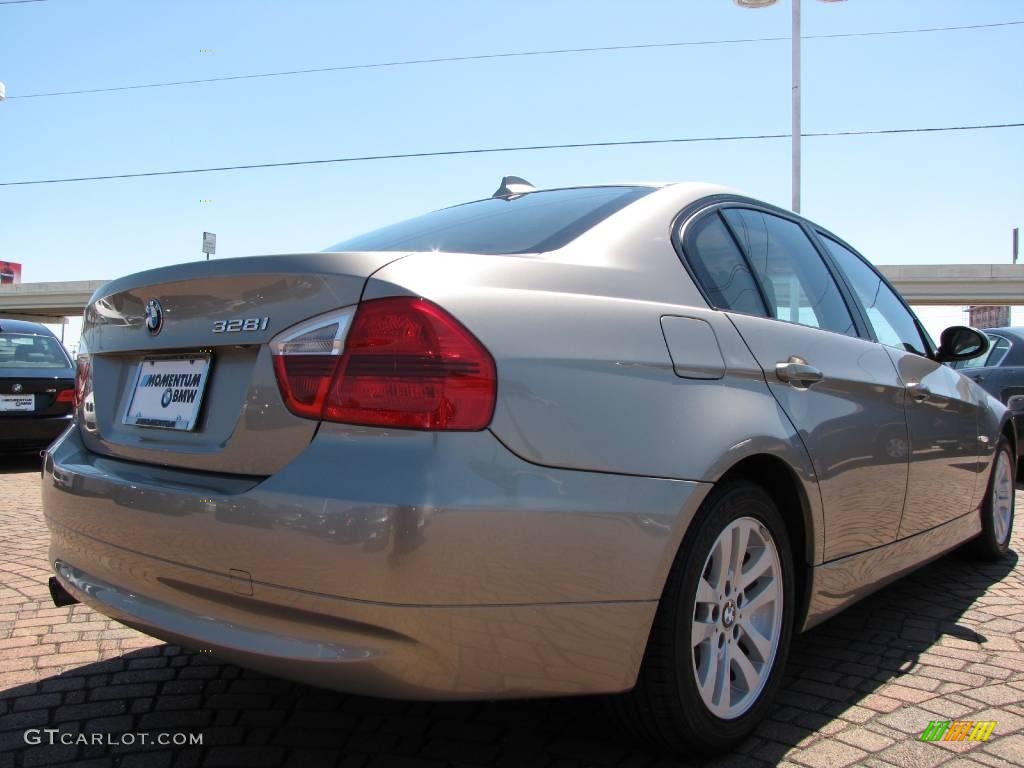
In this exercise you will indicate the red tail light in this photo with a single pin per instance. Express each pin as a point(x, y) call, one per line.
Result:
point(82, 370)
point(404, 362)
point(66, 395)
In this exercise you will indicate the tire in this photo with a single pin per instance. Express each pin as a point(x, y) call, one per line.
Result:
point(998, 508)
point(667, 708)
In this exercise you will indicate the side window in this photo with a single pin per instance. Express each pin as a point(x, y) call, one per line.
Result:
point(974, 362)
point(797, 283)
point(998, 349)
point(991, 358)
point(892, 322)
point(1000, 346)
point(720, 267)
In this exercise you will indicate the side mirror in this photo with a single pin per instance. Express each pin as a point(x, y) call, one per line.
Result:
point(961, 343)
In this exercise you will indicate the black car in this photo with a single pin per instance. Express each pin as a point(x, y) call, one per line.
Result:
point(1001, 371)
point(37, 386)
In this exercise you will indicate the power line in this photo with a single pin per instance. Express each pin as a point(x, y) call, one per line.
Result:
point(529, 148)
point(512, 54)
point(16, 2)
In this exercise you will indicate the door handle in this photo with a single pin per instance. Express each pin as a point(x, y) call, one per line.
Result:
point(918, 393)
point(798, 372)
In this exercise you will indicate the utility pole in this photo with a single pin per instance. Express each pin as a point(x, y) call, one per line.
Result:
point(796, 106)
point(796, 86)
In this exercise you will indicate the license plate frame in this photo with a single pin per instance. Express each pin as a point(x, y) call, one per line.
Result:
point(150, 410)
point(6, 402)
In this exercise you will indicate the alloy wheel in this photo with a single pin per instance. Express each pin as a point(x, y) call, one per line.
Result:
point(1002, 497)
point(737, 618)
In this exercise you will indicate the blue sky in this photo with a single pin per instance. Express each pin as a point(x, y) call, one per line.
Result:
point(904, 199)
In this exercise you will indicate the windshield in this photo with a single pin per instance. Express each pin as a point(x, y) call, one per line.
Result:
point(26, 350)
point(530, 223)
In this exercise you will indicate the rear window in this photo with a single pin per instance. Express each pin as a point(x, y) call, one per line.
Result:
point(530, 223)
point(25, 350)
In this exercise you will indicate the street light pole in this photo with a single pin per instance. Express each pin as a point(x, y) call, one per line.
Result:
point(796, 127)
point(796, 107)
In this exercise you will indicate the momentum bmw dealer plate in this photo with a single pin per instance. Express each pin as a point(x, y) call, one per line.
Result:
point(168, 392)
point(17, 402)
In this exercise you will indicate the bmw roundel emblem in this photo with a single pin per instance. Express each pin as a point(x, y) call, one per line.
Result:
point(165, 399)
point(154, 317)
point(17, 388)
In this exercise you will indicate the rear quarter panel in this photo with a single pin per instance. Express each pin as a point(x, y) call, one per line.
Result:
point(586, 380)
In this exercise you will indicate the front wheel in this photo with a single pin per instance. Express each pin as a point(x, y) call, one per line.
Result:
point(720, 639)
point(998, 508)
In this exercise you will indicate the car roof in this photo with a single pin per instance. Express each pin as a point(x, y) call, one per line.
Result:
point(1016, 334)
point(10, 325)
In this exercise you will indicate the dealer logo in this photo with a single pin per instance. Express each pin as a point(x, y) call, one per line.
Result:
point(167, 396)
point(154, 317)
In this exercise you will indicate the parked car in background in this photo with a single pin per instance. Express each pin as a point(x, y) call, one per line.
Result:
point(37, 386)
point(622, 439)
point(1001, 371)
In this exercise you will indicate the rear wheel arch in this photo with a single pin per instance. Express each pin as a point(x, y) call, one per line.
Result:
point(780, 482)
point(667, 705)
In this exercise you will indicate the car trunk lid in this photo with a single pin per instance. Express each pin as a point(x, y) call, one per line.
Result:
point(168, 322)
point(26, 393)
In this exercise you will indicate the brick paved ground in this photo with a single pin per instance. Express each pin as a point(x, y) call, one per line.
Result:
point(944, 643)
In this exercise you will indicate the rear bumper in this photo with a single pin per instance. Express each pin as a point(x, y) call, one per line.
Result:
point(27, 433)
point(396, 564)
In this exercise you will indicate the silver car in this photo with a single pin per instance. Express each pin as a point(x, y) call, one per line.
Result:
point(618, 439)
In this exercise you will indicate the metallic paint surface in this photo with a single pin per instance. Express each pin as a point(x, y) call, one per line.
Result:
point(847, 422)
point(944, 442)
point(409, 652)
point(242, 404)
point(400, 517)
point(696, 352)
point(502, 577)
point(839, 583)
point(525, 559)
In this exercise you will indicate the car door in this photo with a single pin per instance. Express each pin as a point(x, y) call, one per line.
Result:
point(840, 391)
point(992, 370)
point(942, 406)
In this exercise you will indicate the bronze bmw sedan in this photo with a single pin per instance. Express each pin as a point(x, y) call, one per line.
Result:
point(620, 439)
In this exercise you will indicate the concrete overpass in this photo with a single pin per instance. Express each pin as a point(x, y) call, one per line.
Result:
point(46, 302)
point(958, 284)
point(942, 284)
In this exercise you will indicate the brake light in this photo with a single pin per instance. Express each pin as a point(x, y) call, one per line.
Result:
point(305, 359)
point(404, 362)
point(66, 395)
point(82, 371)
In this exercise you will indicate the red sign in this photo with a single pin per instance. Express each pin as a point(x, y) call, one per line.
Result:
point(10, 273)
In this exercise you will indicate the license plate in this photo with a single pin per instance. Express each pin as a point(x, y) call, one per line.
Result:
point(17, 402)
point(168, 392)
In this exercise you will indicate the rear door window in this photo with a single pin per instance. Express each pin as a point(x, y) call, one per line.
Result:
point(720, 267)
point(797, 284)
point(1000, 346)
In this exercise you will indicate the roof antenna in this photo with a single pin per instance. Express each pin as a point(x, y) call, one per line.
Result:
point(511, 186)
